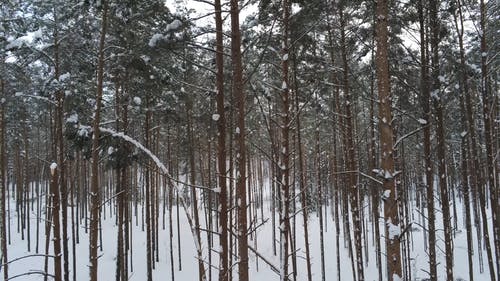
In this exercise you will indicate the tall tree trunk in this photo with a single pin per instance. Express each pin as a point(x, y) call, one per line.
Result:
point(26, 182)
point(285, 149)
point(466, 193)
point(429, 181)
point(49, 198)
point(3, 186)
point(476, 180)
point(147, 194)
point(239, 96)
point(94, 188)
point(488, 111)
point(73, 223)
point(192, 181)
point(441, 139)
point(54, 193)
point(230, 198)
point(121, 188)
point(466, 140)
point(60, 152)
point(351, 151)
point(372, 162)
point(170, 205)
point(335, 128)
point(335, 180)
point(317, 159)
point(221, 145)
point(392, 228)
point(124, 197)
point(302, 181)
point(48, 229)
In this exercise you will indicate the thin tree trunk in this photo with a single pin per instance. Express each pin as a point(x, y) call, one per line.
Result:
point(302, 183)
point(320, 197)
point(429, 181)
point(488, 109)
point(284, 183)
point(466, 194)
point(3, 186)
point(120, 175)
point(125, 196)
point(147, 195)
point(466, 144)
point(170, 207)
point(73, 223)
point(192, 181)
point(239, 96)
point(221, 146)
point(94, 189)
point(56, 223)
point(335, 180)
point(26, 183)
point(48, 217)
point(351, 152)
point(372, 164)
point(60, 153)
point(335, 131)
point(441, 141)
point(179, 245)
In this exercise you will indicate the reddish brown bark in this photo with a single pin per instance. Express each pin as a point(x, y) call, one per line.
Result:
point(3, 225)
point(94, 184)
point(239, 97)
point(352, 180)
point(440, 133)
point(392, 228)
point(221, 145)
point(429, 181)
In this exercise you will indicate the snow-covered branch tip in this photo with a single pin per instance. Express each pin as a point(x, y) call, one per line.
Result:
point(398, 141)
point(137, 144)
point(38, 272)
point(155, 159)
point(25, 257)
point(384, 174)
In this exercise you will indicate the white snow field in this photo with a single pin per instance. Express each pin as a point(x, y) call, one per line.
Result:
point(262, 241)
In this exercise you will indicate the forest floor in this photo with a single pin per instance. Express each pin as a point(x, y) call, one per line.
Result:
point(262, 241)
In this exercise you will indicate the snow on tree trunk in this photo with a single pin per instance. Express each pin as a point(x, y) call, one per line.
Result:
point(239, 97)
point(393, 247)
point(94, 184)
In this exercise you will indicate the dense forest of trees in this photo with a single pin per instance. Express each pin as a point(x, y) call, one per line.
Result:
point(377, 120)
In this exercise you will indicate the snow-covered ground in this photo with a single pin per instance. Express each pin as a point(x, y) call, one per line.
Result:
point(259, 270)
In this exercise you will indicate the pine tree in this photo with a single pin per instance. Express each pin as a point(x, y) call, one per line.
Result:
point(221, 145)
point(437, 102)
point(426, 116)
point(392, 227)
point(94, 188)
point(239, 98)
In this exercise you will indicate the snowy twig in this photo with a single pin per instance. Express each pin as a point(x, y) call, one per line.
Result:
point(209, 231)
point(253, 229)
point(359, 172)
point(272, 266)
point(31, 273)
point(408, 135)
point(370, 177)
point(37, 97)
point(111, 198)
point(404, 231)
point(297, 212)
point(190, 185)
point(25, 257)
